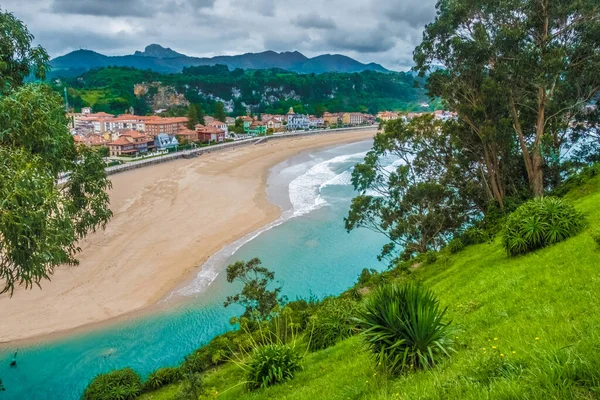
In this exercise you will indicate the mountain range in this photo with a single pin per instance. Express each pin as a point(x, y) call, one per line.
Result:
point(166, 60)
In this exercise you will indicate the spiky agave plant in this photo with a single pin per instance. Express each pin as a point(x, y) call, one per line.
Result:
point(405, 328)
point(273, 357)
point(539, 223)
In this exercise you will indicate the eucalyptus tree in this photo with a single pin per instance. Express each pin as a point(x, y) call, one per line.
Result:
point(41, 218)
point(541, 58)
point(415, 188)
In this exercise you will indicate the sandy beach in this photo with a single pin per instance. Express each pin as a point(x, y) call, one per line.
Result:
point(168, 219)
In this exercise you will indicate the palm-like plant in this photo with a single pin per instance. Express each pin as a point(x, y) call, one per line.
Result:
point(272, 364)
point(405, 328)
point(539, 223)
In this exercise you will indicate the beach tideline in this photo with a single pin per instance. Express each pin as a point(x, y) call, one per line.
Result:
point(168, 219)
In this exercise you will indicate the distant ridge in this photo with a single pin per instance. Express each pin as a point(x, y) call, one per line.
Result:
point(165, 60)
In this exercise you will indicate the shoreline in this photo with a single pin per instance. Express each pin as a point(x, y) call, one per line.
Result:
point(241, 175)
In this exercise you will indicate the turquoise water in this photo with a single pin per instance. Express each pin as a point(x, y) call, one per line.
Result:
point(308, 249)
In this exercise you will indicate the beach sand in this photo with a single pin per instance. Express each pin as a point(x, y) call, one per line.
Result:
point(168, 219)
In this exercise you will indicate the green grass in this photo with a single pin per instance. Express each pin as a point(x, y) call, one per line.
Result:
point(541, 311)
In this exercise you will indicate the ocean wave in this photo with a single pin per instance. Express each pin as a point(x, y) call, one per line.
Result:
point(305, 196)
point(305, 190)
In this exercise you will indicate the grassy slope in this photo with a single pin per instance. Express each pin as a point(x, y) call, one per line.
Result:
point(541, 311)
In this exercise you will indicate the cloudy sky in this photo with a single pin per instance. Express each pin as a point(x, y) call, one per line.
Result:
point(381, 31)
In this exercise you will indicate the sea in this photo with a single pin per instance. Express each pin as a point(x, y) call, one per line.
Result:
point(308, 248)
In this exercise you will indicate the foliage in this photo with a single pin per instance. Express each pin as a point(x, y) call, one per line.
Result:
point(217, 351)
point(455, 245)
point(404, 327)
point(193, 118)
point(255, 297)
point(41, 223)
point(192, 387)
point(122, 384)
point(539, 346)
point(411, 188)
point(272, 364)
point(162, 377)
point(219, 114)
point(334, 320)
point(539, 223)
point(265, 91)
point(18, 58)
point(539, 57)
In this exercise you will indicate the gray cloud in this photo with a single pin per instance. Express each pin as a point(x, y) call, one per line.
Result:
point(415, 14)
point(369, 31)
point(108, 8)
point(365, 41)
point(313, 20)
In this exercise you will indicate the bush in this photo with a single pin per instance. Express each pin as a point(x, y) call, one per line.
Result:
point(214, 353)
point(272, 364)
point(455, 246)
point(162, 377)
point(474, 235)
point(334, 321)
point(430, 257)
point(404, 327)
point(122, 384)
point(540, 223)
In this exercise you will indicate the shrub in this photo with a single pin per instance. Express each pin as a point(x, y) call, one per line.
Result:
point(214, 353)
point(455, 246)
point(272, 364)
point(539, 223)
point(430, 257)
point(365, 276)
point(192, 387)
point(162, 377)
point(474, 235)
point(404, 327)
point(334, 321)
point(122, 384)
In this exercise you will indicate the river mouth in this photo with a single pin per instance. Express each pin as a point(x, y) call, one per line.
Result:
point(307, 248)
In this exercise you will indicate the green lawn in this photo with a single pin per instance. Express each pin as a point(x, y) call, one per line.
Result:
point(525, 328)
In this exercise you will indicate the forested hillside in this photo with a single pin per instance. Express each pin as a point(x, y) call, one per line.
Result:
point(262, 91)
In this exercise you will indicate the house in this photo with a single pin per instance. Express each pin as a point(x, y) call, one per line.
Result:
point(247, 122)
point(185, 135)
point(164, 141)
point(92, 140)
point(86, 110)
point(257, 128)
point(210, 133)
point(352, 119)
point(387, 115)
point(369, 119)
point(330, 119)
point(273, 124)
point(230, 121)
point(290, 113)
point(169, 126)
point(219, 125)
point(316, 122)
point(208, 119)
point(297, 122)
point(131, 143)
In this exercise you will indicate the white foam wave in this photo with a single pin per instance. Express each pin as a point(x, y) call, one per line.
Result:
point(305, 196)
point(305, 190)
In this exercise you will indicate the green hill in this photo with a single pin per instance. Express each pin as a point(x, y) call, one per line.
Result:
point(166, 60)
point(271, 91)
point(526, 328)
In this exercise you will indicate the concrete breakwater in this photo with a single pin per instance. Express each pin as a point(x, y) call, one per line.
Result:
point(225, 146)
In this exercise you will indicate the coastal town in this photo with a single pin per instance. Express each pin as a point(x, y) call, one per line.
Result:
point(129, 136)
